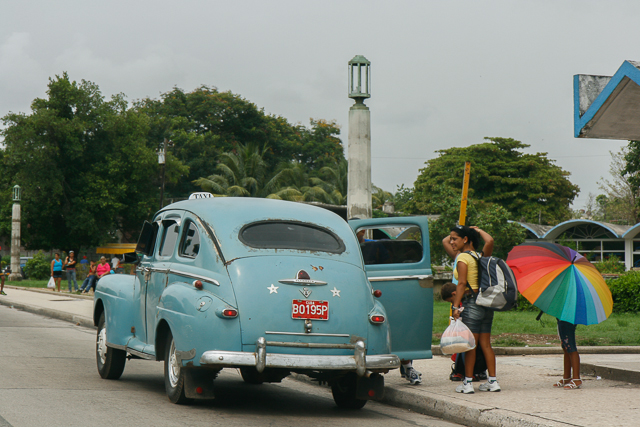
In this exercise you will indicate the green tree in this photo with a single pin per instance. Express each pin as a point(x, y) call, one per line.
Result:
point(491, 217)
point(83, 165)
point(529, 186)
point(619, 202)
point(205, 123)
point(241, 173)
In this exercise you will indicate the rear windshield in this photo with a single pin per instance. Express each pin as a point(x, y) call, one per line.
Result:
point(290, 235)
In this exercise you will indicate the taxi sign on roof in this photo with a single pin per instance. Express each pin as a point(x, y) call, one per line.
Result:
point(200, 195)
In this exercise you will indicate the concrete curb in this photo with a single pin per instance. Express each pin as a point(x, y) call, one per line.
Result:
point(468, 414)
point(610, 373)
point(528, 351)
point(49, 312)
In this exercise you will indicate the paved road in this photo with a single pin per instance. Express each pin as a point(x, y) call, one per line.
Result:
point(48, 377)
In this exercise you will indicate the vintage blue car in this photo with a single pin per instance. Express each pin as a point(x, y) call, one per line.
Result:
point(272, 288)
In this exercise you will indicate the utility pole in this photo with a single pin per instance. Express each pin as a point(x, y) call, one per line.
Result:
point(359, 149)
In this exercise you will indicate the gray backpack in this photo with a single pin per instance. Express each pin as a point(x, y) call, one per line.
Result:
point(497, 287)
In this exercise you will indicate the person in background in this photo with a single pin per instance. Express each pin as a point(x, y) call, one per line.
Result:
point(114, 262)
point(567, 334)
point(56, 270)
point(84, 260)
point(90, 281)
point(101, 270)
point(70, 262)
point(2, 275)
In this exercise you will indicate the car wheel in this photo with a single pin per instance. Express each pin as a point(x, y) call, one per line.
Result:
point(251, 376)
point(344, 392)
point(173, 374)
point(110, 360)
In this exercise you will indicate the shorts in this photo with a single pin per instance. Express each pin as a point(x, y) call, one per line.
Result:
point(476, 317)
point(567, 335)
point(57, 274)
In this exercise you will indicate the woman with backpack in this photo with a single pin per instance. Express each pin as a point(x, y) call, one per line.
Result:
point(461, 245)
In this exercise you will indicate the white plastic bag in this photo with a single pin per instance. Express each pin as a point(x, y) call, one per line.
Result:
point(51, 284)
point(457, 338)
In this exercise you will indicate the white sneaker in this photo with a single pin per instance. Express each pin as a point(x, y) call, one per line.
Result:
point(413, 376)
point(490, 386)
point(466, 388)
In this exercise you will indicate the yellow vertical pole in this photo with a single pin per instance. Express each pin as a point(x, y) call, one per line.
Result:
point(465, 190)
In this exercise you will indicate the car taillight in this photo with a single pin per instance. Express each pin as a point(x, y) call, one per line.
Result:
point(230, 312)
point(376, 318)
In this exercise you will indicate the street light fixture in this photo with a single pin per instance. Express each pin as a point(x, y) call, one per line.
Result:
point(17, 192)
point(162, 162)
point(359, 78)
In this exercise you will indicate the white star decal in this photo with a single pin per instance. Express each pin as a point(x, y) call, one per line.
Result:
point(273, 289)
point(335, 292)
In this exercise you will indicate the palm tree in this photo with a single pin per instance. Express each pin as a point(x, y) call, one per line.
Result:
point(242, 173)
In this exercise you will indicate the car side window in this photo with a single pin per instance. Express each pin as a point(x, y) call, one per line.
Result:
point(169, 237)
point(391, 245)
point(190, 245)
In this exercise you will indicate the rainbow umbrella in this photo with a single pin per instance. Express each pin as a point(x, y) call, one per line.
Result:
point(561, 282)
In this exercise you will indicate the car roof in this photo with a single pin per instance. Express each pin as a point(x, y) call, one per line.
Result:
point(227, 215)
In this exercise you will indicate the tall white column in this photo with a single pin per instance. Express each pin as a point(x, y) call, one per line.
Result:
point(359, 156)
point(15, 244)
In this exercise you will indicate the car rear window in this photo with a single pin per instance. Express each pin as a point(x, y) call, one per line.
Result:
point(290, 235)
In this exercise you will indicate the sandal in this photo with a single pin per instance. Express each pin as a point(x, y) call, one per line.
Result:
point(572, 385)
point(562, 382)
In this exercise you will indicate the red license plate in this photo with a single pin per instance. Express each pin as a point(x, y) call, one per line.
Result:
point(305, 309)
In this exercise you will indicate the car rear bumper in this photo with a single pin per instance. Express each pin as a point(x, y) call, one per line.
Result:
point(358, 362)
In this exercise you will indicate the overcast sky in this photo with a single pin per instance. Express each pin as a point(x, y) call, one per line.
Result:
point(444, 73)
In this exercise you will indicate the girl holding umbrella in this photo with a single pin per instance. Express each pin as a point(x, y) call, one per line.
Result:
point(564, 284)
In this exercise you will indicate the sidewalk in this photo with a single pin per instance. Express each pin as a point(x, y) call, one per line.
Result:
point(610, 394)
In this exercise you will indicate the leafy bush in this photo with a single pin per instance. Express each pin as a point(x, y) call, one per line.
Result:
point(610, 265)
point(525, 305)
point(39, 267)
point(626, 292)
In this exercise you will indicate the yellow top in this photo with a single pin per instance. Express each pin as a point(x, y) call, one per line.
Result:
point(472, 269)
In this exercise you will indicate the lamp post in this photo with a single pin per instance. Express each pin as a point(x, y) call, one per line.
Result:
point(359, 151)
point(161, 162)
point(15, 235)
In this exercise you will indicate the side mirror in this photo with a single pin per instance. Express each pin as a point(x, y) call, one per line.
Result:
point(147, 239)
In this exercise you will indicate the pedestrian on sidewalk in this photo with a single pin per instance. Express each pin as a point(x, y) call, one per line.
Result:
point(56, 269)
point(571, 379)
point(3, 274)
point(101, 270)
point(462, 242)
point(90, 281)
point(70, 263)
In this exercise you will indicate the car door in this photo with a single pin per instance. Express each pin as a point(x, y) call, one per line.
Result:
point(397, 262)
point(154, 269)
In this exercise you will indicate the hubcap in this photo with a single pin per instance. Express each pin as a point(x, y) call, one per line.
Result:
point(174, 366)
point(102, 345)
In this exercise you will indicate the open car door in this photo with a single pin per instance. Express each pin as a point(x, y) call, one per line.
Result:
point(397, 262)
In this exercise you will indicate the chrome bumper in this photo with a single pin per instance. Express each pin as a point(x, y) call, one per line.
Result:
point(261, 359)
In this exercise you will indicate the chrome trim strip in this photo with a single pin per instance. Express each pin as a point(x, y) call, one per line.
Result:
point(194, 276)
point(397, 278)
point(310, 345)
point(298, 361)
point(313, 334)
point(116, 346)
point(302, 282)
point(141, 354)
